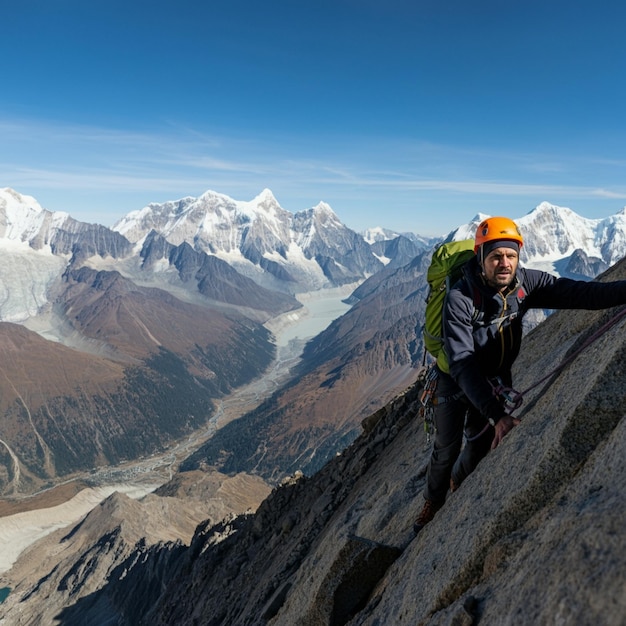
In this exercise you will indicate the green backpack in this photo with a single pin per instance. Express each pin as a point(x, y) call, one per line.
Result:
point(443, 272)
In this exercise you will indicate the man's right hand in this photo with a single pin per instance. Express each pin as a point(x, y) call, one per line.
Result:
point(503, 426)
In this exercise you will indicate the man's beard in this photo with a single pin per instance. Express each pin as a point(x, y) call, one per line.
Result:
point(501, 281)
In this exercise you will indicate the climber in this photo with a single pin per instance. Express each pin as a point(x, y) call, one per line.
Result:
point(482, 326)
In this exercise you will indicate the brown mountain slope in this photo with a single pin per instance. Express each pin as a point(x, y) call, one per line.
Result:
point(156, 366)
point(136, 321)
point(33, 374)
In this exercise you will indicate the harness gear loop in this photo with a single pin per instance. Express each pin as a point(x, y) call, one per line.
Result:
point(428, 377)
point(510, 399)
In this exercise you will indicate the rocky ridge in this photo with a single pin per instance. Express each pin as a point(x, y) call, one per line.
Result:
point(284, 251)
point(81, 558)
point(535, 535)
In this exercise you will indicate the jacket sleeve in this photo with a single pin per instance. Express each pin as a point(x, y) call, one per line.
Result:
point(548, 292)
point(464, 366)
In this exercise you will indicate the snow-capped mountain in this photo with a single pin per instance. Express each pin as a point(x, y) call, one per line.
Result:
point(292, 252)
point(242, 252)
point(37, 246)
point(378, 234)
point(24, 221)
point(553, 235)
point(214, 221)
point(396, 249)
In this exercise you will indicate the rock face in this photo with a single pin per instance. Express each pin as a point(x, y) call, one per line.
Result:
point(580, 265)
point(534, 536)
point(78, 561)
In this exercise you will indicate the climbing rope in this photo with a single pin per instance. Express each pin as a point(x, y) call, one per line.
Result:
point(512, 399)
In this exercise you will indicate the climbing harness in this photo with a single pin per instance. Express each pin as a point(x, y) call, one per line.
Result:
point(429, 377)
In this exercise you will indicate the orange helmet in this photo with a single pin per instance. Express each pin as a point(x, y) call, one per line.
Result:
point(496, 229)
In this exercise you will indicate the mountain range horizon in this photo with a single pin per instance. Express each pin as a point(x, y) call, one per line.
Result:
point(375, 232)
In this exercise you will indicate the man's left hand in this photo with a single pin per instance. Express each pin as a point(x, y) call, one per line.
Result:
point(503, 426)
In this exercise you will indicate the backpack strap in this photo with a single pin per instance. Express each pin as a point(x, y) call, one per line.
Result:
point(477, 299)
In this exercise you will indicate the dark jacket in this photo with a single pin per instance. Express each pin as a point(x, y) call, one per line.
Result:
point(481, 347)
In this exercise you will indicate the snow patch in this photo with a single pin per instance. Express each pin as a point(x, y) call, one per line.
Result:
point(19, 531)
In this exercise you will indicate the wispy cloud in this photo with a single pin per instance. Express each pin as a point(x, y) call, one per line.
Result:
point(90, 179)
point(613, 195)
point(364, 173)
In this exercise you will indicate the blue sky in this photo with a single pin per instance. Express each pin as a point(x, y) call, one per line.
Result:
point(409, 114)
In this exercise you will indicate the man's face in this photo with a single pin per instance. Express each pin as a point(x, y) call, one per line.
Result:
point(499, 267)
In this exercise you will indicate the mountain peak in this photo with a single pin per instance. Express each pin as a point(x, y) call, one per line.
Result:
point(265, 203)
point(265, 196)
point(324, 207)
point(14, 204)
point(259, 234)
point(210, 193)
point(377, 233)
point(553, 210)
point(7, 194)
point(25, 220)
point(325, 213)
